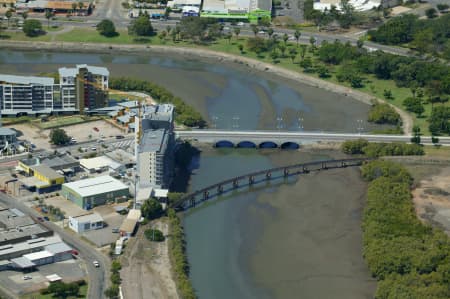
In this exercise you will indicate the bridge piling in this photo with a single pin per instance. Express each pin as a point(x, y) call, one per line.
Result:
point(235, 183)
point(251, 180)
point(268, 175)
point(192, 202)
point(205, 195)
point(286, 172)
point(220, 189)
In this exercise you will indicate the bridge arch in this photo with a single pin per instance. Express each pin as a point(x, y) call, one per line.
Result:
point(224, 143)
point(290, 145)
point(268, 144)
point(246, 144)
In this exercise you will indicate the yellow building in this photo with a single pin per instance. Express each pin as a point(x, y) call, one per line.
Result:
point(42, 178)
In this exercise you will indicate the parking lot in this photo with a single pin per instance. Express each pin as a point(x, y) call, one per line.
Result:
point(70, 270)
point(105, 236)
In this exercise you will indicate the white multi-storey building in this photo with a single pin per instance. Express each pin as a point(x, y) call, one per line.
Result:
point(154, 151)
point(79, 88)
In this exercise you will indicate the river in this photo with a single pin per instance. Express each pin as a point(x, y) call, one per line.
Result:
point(228, 96)
point(301, 239)
point(296, 240)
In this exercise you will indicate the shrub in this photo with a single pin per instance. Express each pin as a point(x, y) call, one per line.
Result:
point(383, 114)
point(154, 235)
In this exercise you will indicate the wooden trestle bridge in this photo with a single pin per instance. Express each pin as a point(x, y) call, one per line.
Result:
point(202, 195)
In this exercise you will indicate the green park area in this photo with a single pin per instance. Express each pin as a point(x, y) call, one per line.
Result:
point(417, 86)
point(60, 290)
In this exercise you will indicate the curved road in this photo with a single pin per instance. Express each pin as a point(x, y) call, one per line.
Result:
point(97, 277)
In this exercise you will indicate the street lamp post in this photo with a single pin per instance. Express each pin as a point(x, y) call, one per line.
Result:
point(300, 123)
point(136, 178)
point(235, 124)
point(359, 126)
point(279, 123)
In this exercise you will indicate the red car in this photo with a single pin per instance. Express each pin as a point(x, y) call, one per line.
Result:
point(96, 129)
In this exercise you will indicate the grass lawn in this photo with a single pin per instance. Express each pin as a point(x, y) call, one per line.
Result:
point(37, 295)
point(437, 151)
point(372, 86)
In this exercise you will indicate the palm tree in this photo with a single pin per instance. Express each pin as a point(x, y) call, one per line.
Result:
point(312, 41)
point(8, 15)
point(297, 35)
point(303, 51)
point(285, 38)
point(74, 7)
point(282, 48)
point(270, 32)
point(293, 54)
point(48, 16)
point(228, 36)
point(237, 31)
point(255, 29)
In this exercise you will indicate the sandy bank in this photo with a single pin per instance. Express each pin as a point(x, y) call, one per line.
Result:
point(204, 53)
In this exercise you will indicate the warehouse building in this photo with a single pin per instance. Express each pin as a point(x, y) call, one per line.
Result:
point(56, 162)
point(100, 164)
point(248, 10)
point(42, 179)
point(15, 250)
point(87, 222)
point(93, 192)
point(56, 252)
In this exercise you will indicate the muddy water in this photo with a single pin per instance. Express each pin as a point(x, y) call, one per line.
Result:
point(229, 96)
point(301, 239)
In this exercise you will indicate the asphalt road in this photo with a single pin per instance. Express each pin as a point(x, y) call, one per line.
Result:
point(280, 136)
point(97, 277)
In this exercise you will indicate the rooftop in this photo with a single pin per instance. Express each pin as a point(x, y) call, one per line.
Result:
point(29, 245)
point(73, 72)
point(20, 232)
point(234, 6)
point(56, 248)
point(38, 255)
point(26, 80)
point(94, 217)
point(7, 132)
point(47, 172)
point(9, 219)
point(153, 141)
point(98, 185)
point(121, 156)
point(99, 162)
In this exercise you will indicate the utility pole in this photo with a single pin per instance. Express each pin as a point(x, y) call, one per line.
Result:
point(359, 126)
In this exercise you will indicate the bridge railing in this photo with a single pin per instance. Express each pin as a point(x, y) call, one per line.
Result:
point(324, 164)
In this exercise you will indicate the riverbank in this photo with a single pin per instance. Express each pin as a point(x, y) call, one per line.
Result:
point(407, 121)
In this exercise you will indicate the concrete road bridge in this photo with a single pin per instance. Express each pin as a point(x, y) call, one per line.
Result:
point(286, 139)
point(197, 197)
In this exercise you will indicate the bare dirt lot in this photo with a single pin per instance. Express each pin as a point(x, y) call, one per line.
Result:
point(81, 132)
point(432, 199)
point(146, 271)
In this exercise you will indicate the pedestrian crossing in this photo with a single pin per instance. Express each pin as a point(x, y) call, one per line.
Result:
point(122, 144)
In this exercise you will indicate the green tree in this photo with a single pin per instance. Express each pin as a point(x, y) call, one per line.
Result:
point(292, 54)
point(323, 71)
point(151, 209)
point(116, 266)
point(383, 114)
point(303, 51)
point(254, 28)
point(154, 235)
point(63, 290)
point(297, 35)
point(115, 278)
point(431, 13)
point(107, 28)
point(285, 38)
point(32, 28)
point(347, 16)
point(387, 93)
point(241, 48)
point(274, 55)
point(112, 292)
point(237, 31)
point(141, 26)
point(8, 15)
point(442, 7)
point(58, 136)
point(48, 15)
point(228, 36)
point(74, 6)
point(416, 137)
point(414, 105)
point(24, 15)
point(312, 42)
point(270, 32)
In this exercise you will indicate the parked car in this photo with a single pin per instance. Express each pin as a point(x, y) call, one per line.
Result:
point(26, 277)
point(46, 218)
point(96, 264)
point(115, 230)
point(40, 219)
point(120, 137)
point(96, 129)
point(93, 148)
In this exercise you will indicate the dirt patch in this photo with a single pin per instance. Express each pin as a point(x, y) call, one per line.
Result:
point(432, 199)
point(68, 207)
point(146, 271)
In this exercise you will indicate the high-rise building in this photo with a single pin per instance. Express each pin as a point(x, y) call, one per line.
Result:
point(79, 89)
point(88, 83)
point(155, 145)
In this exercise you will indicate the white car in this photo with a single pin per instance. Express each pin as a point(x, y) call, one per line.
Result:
point(96, 264)
point(240, 23)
